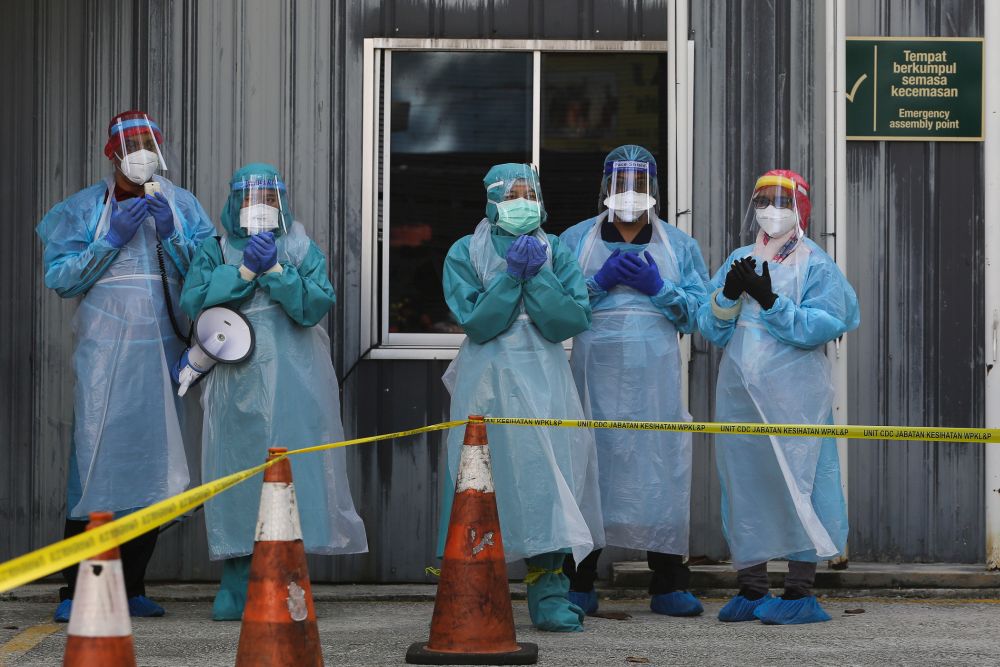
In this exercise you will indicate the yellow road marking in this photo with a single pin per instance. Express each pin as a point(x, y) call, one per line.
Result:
point(26, 640)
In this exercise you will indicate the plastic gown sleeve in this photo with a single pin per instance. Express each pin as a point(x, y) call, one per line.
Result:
point(557, 299)
point(483, 312)
point(829, 309)
point(211, 282)
point(717, 331)
point(73, 259)
point(73, 266)
point(182, 247)
point(304, 291)
point(680, 303)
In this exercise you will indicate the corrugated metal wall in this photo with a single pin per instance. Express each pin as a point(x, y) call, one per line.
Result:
point(758, 105)
point(915, 223)
point(233, 82)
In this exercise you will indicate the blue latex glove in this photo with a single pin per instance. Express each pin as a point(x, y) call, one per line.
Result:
point(610, 274)
point(548, 595)
point(641, 276)
point(518, 257)
point(125, 220)
point(162, 215)
point(536, 256)
point(260, 253)
point(175, 369)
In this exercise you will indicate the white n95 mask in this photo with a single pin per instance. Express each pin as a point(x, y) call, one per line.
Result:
point(139, 166)
point(776, 221)
point(259, 218)
point(629, 205)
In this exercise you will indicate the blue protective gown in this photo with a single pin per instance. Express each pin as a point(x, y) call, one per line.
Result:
point(285, 395)
point(127, 449)
point(627, 366)
point(781, 496)
point(513, 365)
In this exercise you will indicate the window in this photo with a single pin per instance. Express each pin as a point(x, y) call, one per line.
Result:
point(437, 119)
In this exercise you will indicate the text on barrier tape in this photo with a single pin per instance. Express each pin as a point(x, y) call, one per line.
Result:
point(803, 430)
point(60, 555)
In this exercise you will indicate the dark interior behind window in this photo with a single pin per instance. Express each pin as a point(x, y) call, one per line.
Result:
point(592, 103)
point(454, 115)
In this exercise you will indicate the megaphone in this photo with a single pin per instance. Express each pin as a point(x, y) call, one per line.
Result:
point(220, 335)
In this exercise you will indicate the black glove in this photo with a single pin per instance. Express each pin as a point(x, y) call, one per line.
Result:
point(733, 287)
point(758, 287)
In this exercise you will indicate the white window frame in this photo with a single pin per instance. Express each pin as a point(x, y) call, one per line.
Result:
point(375, 340)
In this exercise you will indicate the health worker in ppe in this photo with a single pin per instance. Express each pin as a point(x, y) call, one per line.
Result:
point(645, 279)
point(775, 304)
point(286, 394)
point(124, 253)
point(518, 294)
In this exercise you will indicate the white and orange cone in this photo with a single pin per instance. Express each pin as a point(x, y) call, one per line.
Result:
point(279, 620)
point(473, 622)
point(100, 631)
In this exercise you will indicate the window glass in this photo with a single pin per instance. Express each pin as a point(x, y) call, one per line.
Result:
point(453, 116)
point(592, 103)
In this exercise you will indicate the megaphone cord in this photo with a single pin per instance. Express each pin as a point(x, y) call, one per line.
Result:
point(166, 296)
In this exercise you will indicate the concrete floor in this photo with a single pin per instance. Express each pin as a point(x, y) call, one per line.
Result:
point(891, 631)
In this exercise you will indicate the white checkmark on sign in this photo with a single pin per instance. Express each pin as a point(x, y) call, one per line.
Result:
point(850, 95)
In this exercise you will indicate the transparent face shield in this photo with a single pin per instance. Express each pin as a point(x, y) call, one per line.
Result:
point(264, 205)
point(139, 153)
point(772, 211)
point(629, 190)
point(518, 199)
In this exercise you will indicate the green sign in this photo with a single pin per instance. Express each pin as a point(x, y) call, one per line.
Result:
point(914, 88)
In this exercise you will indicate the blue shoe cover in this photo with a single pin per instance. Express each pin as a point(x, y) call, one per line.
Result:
point(678, 603)
point(142, 606)
point(548, 603)
point(585, 601)
point(232, 596)
point(228, 606)
point(741, 609)
point(63, 611)
point(779, 611)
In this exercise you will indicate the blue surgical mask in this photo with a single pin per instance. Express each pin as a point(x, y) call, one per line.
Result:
point(519, 216)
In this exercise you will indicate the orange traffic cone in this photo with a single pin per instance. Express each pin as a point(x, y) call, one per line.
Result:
point(279, 620)
point(473, 621)
point(100, 632)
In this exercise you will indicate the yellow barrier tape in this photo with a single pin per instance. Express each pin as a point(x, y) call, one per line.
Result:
point(54, 557)
point(64, 553)
point(932, 433)
point(60, 555)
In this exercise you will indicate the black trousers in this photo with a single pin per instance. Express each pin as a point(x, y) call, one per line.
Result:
point(670, 572)
point(798, 581)
point(135, 557)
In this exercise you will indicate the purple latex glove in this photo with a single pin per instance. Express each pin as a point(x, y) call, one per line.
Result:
point(517, 258)
point(162, 215)
point(125, 220)
point(536, 256)
point(260, 253)
point(640, 275)
point(610, 274)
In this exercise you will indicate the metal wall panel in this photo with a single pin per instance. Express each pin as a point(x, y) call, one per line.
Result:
point(233, 82)
point(915, 223)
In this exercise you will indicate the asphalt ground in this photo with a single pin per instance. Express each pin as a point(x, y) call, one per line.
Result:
point(890, 631)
